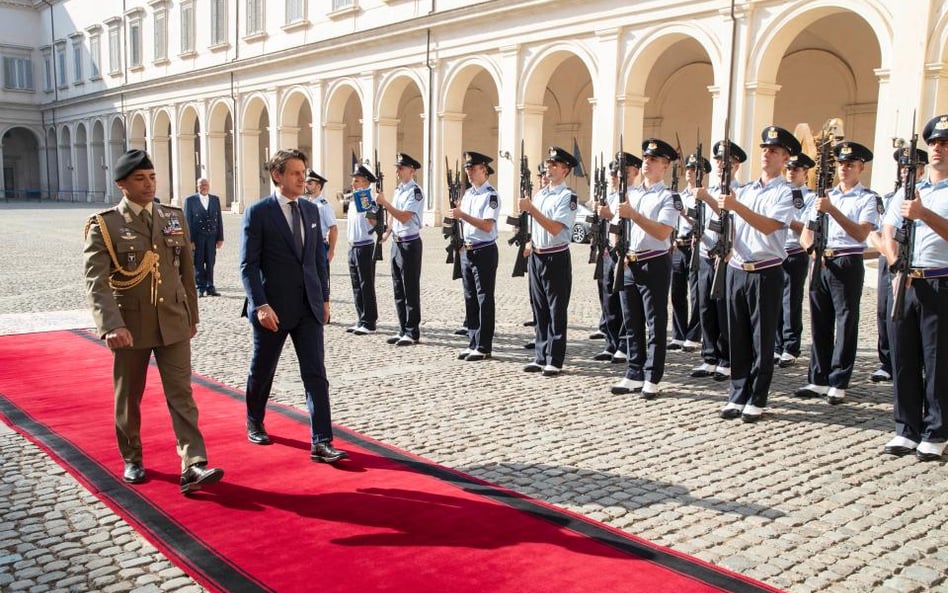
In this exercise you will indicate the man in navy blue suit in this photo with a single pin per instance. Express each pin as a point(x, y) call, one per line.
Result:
point(286, 280)
point(203, 211)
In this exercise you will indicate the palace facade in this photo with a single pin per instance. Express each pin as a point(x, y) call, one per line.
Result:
point(212, 87)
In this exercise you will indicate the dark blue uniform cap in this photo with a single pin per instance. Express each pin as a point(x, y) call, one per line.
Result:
point(132, 160)
point(475, 158)
point(801, 160)
point(361, 171)
point(693, 162)
point(630, 160)
point(313, 175)
point(852, 151)
point(561, 156)
point(937, 127)
point(656, 147)
point(737, 153)
point(903, 156)
point(777, 136)
point(403, 160)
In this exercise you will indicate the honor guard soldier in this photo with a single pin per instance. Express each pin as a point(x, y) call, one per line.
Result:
point(611, 302)
point(206, 225)
point(790, 322)
point(650, 216)
point(477, 214)
point(919, 337)
point(361, 251)
point(761, 212)
point(715, 344)
point(852, 212)
point(140, 284)
point(327, 216)
point(405, 210)
point(686, 322)
point(884, 280)
point(553, 212)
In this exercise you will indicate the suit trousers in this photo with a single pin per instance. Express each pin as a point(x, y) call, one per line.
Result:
point(551, 283)
point(920, 362)
point(205, 254)
point(307, 336)
point(406, 282)
point(129, 370)
point(790, 321)
point(753, 308)
point(645, 311)
point(479, 278)
point(834, 320)
point(362, 277)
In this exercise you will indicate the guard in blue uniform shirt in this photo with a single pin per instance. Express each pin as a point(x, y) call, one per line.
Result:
point(761, 212)
point(327, 216)
point(361, 260)
point(715, 345)
point(405, 210)
point(919, 339)
point(852, 212)
point(611, 325)
point(650, 216)
point(790, 323)
point(477, 214)
point(552, 213)
point(884, 278)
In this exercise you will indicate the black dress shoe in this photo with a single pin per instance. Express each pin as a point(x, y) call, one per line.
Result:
point(257, 434)
point(530, 323)
point(198, 475)
point(213, 293)
point(529, 346)
point(597, 336)
point(477, 355)
point(898, 451)
point(324, 452)
point(731, 413)
point(603, 356)
point(461, 331)
point(927, 456)
point(134, 473)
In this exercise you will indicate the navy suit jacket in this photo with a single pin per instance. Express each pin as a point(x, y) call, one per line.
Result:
point(271, 270)
point(201, 222)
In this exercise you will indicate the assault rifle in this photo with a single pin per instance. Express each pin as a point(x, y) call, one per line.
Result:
point(599, 239)
point(905, 236)
point(380, 226)
point(820, 226)
point(697, 214)
point(521, 222)
point(722, 226)
point(451, 227)
point(622, 237)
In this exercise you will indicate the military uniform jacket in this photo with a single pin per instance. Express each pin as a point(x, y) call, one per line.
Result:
point(161, 308)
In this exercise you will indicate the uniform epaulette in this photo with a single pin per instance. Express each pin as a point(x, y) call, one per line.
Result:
point(418, 195)
point(170, 207)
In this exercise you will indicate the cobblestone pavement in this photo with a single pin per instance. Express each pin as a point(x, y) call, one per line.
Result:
point(802, 500)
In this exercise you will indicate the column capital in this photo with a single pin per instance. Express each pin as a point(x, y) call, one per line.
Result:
point(388, 121)
point(883, 75)
point(334, 126)
point(532, 108)
point(763, 88)
point(452, 115)
point(632, 100)
point(934, 69)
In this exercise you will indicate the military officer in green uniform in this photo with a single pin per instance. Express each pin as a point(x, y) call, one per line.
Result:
point(139, 275)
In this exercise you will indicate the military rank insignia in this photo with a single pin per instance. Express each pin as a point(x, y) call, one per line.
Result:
point(492, 200)
point(127, 234)
point(797, 199)
point(573, 199)
point(172, 227)
point(880, 205)
point(418, 195)
point(362, 198)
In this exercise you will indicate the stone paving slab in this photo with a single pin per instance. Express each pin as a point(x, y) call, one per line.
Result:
point(801, 500)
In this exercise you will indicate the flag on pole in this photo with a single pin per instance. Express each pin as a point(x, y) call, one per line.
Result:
point(578, 171)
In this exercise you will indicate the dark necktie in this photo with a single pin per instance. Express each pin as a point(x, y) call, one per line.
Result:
point(297, 227)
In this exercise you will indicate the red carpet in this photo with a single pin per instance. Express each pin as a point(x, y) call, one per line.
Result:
point(383, 521)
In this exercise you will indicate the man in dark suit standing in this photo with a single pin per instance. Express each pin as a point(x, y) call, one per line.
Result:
point(203, 211)
point(286, 280)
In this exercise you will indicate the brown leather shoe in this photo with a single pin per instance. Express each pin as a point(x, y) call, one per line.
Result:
point(257, 434)
point(198, 475)
point(324, 452)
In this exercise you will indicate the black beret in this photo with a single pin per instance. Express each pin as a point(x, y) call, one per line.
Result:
point(737, 153)
point(561, 156)
point(852, 151)
point(777, 136)
point(630, 159)
point(314, 176)
point(937, 127)
point(403, 160)
point(801, 160)
point(656, 147)
point(693, 162)
point(132, 160)
point(472, 158)
point(902, 156)
point(361, 171)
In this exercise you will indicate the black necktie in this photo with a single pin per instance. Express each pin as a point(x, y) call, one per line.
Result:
point(297, 227)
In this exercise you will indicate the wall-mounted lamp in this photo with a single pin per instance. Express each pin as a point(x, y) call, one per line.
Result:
point(505, 154)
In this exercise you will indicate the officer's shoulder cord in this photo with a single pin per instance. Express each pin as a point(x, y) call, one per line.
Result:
point(148, 264)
